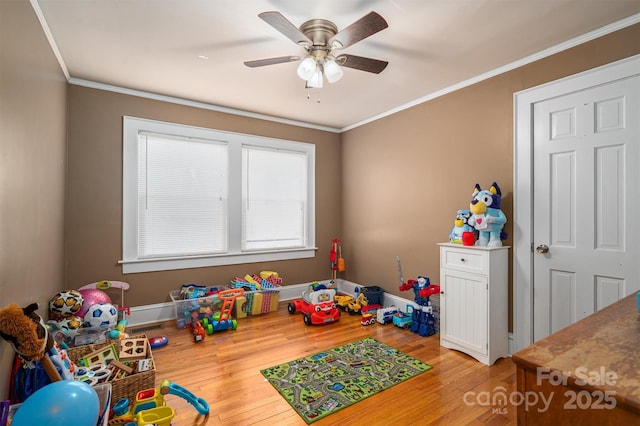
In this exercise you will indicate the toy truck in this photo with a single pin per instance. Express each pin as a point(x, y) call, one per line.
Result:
point(385, 315)
point(403, 320)
point(342, 301)
point(367, 319)
point(370, 309)
point(356, 306)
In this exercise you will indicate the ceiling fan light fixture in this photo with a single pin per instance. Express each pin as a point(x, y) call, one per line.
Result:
point(315, 82)
point(332, 71)
point(307, 68)
point(319, 38)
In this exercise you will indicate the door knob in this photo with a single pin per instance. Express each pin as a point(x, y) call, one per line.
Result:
point(542, 249)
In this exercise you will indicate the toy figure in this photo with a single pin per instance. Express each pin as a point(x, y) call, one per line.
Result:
point(487, 217)
point(461, 225)
point(422, 318)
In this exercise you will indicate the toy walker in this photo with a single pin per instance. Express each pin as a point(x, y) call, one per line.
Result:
point(222, 320)
point(150, 406)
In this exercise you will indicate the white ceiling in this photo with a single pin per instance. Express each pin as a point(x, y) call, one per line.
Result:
point(432, 46)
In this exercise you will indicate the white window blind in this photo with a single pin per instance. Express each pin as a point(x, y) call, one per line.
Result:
point(182, 196)
point(196, 197)
point(274, 197)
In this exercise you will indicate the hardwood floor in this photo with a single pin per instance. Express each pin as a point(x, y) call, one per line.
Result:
point(225, 370)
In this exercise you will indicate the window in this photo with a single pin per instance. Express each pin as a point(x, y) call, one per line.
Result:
point(195, 197)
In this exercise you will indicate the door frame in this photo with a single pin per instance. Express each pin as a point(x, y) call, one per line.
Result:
point(523, 181)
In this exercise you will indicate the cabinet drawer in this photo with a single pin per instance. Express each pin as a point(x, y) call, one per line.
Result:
point(464, 260)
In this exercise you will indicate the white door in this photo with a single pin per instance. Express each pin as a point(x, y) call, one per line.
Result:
point(586, 208)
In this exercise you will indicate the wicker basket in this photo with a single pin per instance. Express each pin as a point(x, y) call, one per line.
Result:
point(126, 387)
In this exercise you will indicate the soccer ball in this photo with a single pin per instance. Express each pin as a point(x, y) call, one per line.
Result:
point(71, 325)
point(91, 297)
point(101, 315)
point(66, 303)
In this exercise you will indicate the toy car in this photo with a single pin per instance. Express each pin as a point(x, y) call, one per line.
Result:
point(367, 319)
point(198, 332)
point(317, 307)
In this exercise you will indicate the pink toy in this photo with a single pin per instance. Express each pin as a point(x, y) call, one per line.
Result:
point(92, 297)
point(97, 290)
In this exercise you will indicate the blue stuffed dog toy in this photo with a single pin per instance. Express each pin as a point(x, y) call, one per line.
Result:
point(461, 225)
point(487, 217)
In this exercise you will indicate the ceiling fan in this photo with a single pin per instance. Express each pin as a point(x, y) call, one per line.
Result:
point(320, 38)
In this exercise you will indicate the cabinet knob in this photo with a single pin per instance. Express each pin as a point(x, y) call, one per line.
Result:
point(441, 292)
point(462, 259)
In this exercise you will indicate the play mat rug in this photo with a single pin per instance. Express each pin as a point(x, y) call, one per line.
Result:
point(321, 384)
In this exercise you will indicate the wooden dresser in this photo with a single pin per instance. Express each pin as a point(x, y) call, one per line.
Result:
point(587, 373)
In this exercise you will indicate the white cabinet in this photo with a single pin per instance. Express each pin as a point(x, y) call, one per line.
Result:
point(474, 306)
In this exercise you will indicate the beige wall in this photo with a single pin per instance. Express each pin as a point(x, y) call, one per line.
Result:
point(32, 166)
point(94, 185)
point(388, 188)
point(405, 176)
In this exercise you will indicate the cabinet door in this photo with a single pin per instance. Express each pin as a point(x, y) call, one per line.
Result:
point(463, 310)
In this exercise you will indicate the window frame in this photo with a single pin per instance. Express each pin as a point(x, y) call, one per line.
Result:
point(132, 263)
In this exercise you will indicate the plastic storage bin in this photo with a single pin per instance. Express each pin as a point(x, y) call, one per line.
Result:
point(256, 302)
point(196, 308)
point(374, 294)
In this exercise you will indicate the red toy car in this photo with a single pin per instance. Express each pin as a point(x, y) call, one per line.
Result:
point(317, 307)
point(198, 332)
point(367, 319)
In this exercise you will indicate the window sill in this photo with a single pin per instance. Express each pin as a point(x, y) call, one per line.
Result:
point(133, 266)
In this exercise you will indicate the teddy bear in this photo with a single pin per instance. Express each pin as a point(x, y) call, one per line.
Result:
point(461, 224)
point(487, 217)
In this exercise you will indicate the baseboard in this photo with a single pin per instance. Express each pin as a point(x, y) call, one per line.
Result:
point(147, 314)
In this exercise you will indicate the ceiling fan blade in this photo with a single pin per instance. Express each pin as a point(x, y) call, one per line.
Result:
point(359, 30)
point(363, 64)
point(282, 24)
point(271, 61)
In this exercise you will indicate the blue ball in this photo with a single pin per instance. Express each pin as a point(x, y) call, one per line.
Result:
point(67, 402)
